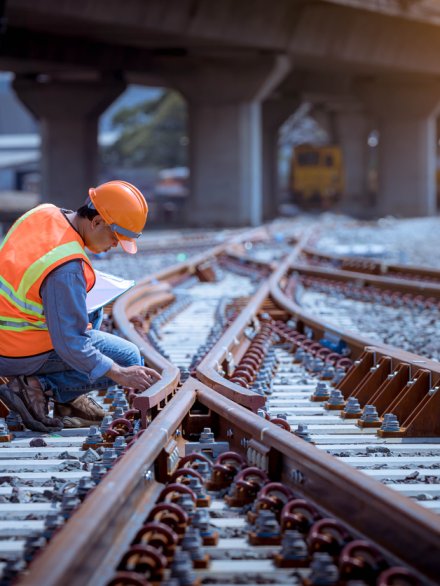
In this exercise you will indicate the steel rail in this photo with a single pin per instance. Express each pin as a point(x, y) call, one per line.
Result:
point(99, 527)
point(395, 523)
point(233, 341)
point(147, 297)
point(150, 293)
point(371, 266)
point(381, 282)
point(233, 344)
point(102, 526)
point(357, 343)
point(416, 406)
point(229, 343)
point(87, 547)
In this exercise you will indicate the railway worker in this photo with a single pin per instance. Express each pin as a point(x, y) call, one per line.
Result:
point(47, 349)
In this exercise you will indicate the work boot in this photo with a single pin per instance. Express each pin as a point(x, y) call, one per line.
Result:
point(36, 401)
point(81, 412)
point(9, 395)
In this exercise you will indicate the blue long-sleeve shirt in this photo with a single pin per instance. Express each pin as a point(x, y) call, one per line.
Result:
point(64, 302)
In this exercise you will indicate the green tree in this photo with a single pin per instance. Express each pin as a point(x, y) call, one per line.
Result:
point(153, 134)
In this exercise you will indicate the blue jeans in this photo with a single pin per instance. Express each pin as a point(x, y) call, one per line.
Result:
point(67, 384)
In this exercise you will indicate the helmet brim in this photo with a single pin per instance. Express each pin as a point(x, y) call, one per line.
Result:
point(128, 244)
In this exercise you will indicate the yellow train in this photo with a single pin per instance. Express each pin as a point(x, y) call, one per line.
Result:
point(316, 175)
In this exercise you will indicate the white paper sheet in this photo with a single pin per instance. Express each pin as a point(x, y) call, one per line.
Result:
point(106, 289)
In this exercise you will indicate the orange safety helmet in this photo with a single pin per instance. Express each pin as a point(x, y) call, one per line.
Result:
point(123, 207)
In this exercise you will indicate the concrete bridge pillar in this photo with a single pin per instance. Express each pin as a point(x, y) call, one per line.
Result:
point(68, 112)
point(225, 155)
point(275, 112)
point(224, 99)
point(352, 129)
point(406, 116)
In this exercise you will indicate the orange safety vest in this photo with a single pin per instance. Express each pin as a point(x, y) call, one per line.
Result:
point(40, 241)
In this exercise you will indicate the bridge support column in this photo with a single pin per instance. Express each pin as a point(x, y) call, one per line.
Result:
point(68, 112)
point(224, 99)
point(405, 112)
point(225, 141)
point(352, 129)
point(275, 112)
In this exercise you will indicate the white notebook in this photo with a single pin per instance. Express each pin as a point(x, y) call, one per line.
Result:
point(107, 288)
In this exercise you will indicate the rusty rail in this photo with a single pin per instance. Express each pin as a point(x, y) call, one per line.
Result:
point(151, 292)
point(362, 279)
point(357, 343)
point(233, 343)
point(147, 297)
point(369, 266)
point(413, 398)
point(374, 510)
point(80, 553)
point(85, 550)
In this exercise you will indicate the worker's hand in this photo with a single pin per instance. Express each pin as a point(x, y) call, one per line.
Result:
point(136, 377)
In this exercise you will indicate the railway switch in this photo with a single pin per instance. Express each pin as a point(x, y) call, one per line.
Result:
point(260, 514)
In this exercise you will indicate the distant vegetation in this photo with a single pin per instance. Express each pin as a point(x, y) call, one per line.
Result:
point(153, 133)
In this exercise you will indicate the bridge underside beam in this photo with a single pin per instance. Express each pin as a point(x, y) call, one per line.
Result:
point(317, 34)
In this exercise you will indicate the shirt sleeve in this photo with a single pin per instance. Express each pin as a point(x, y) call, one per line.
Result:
point(64, 302)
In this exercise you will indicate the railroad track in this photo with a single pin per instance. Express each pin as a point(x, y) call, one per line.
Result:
point(265, 411)
point(397, 312)
point(369, 266)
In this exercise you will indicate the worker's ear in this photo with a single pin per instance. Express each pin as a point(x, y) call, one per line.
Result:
point(96, 222)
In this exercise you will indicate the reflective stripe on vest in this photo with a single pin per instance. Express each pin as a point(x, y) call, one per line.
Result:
point(29, 306)
point(22, 325)
point(32, 274)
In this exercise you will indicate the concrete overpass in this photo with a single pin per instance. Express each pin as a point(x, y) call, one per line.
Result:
point(243, 66)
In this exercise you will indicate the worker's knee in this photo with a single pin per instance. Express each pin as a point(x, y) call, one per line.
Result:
point(122, 351)
point(125, 353)
point(131, 355)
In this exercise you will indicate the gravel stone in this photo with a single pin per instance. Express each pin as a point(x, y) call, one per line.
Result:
point(90, 456)
point(37, 442)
